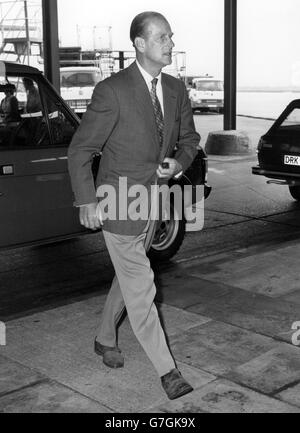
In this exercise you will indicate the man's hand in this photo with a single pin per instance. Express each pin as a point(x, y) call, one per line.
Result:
point(88, 216)
point(167, 173)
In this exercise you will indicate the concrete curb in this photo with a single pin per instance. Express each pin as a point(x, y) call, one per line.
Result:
point(248, 116)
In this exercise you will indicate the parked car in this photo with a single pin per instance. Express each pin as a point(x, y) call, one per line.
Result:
point(77, 84)
point(36, 200)
point(279, 151)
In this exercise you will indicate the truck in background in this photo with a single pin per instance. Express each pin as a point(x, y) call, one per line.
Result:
point(77, 84)
point(206, 93)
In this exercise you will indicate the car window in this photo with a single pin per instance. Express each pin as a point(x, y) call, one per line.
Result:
point(22, 120)
point(293, 119)
point(27, 113)
point(80, 79)
point(209, 86)
point(62, 125)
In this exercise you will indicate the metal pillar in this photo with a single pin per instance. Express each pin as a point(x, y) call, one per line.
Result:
point(121, 60)
point(51, 46)
point(28, 44)
point(230, 65)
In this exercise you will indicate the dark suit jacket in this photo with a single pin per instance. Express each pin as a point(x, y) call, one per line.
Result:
point(120, 122)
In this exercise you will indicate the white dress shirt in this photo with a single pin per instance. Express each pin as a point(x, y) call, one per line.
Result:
point(159, 92)
point(148, 78)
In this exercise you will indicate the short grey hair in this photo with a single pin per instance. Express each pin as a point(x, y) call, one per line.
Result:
point(140, 22)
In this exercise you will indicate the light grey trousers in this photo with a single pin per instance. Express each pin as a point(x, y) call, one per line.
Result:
point(133, 287)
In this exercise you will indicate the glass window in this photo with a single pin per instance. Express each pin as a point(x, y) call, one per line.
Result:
point(290, 126)
point(209, 86)
point(25, 121)
point(292, 119)
point(62, 126)
point(22, 121)
point(80, 79)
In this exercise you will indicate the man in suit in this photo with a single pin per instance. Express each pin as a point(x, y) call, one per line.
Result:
point(136, 118)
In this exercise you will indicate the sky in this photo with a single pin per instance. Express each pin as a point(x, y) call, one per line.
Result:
point(268, 41)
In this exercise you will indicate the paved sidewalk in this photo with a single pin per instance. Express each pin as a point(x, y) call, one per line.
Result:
point(229, 321)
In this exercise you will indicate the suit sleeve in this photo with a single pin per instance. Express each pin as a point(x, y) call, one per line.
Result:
point(95, 128)
point(188, 137)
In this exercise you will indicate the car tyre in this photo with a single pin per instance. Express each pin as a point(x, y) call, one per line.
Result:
point(168, 238)
point(295, 192)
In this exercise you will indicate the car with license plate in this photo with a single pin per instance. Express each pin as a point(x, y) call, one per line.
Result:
point(279, 151)
point(36, 199)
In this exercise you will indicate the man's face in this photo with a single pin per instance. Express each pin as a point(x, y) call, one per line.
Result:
point(158, 43)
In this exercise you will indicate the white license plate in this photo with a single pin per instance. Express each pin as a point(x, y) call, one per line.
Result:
point(291, 160)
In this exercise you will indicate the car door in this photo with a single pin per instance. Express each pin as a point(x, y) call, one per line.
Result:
point(36, 201)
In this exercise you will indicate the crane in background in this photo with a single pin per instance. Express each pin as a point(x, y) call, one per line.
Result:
point(21, 31)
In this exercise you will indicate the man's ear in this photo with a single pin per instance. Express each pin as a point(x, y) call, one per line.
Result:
point(139, 43)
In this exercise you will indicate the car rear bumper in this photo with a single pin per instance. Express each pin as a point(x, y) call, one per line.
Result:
point(273, 174)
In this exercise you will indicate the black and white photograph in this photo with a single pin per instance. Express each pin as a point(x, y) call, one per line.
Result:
point(150, 209)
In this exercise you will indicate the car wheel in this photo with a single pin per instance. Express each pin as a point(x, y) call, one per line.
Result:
point(168, 238)
point(295, 192)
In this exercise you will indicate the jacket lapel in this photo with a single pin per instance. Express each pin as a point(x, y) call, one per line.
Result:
point(170, 105)
point(144, 102)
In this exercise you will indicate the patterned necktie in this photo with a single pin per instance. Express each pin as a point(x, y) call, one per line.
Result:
point(159, 119)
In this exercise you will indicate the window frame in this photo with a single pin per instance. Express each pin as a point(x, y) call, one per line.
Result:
point(42, 84)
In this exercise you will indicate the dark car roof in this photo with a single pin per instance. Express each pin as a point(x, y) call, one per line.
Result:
point(295, 102)
point(18, 68)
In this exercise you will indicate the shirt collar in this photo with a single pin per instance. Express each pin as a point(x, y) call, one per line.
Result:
point(147, 77)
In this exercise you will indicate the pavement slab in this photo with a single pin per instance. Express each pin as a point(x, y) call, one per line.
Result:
point(234, 236)
point(86, 314)
point(49, 397)
point(239, 197)
point(176, 320)
point(288, 218)
point(271, 371)
point(182, 290)
point(291, 395)
point(59, 344)
point(264, 273)
point(258, 313)
point(293, 297)
point(223, 396)
point(135, 388)
point(217, 347)
point(14, 375)
point(214, 219)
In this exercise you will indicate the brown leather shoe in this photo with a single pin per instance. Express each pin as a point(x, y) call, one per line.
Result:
point(175, 385)
point(112, 356)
